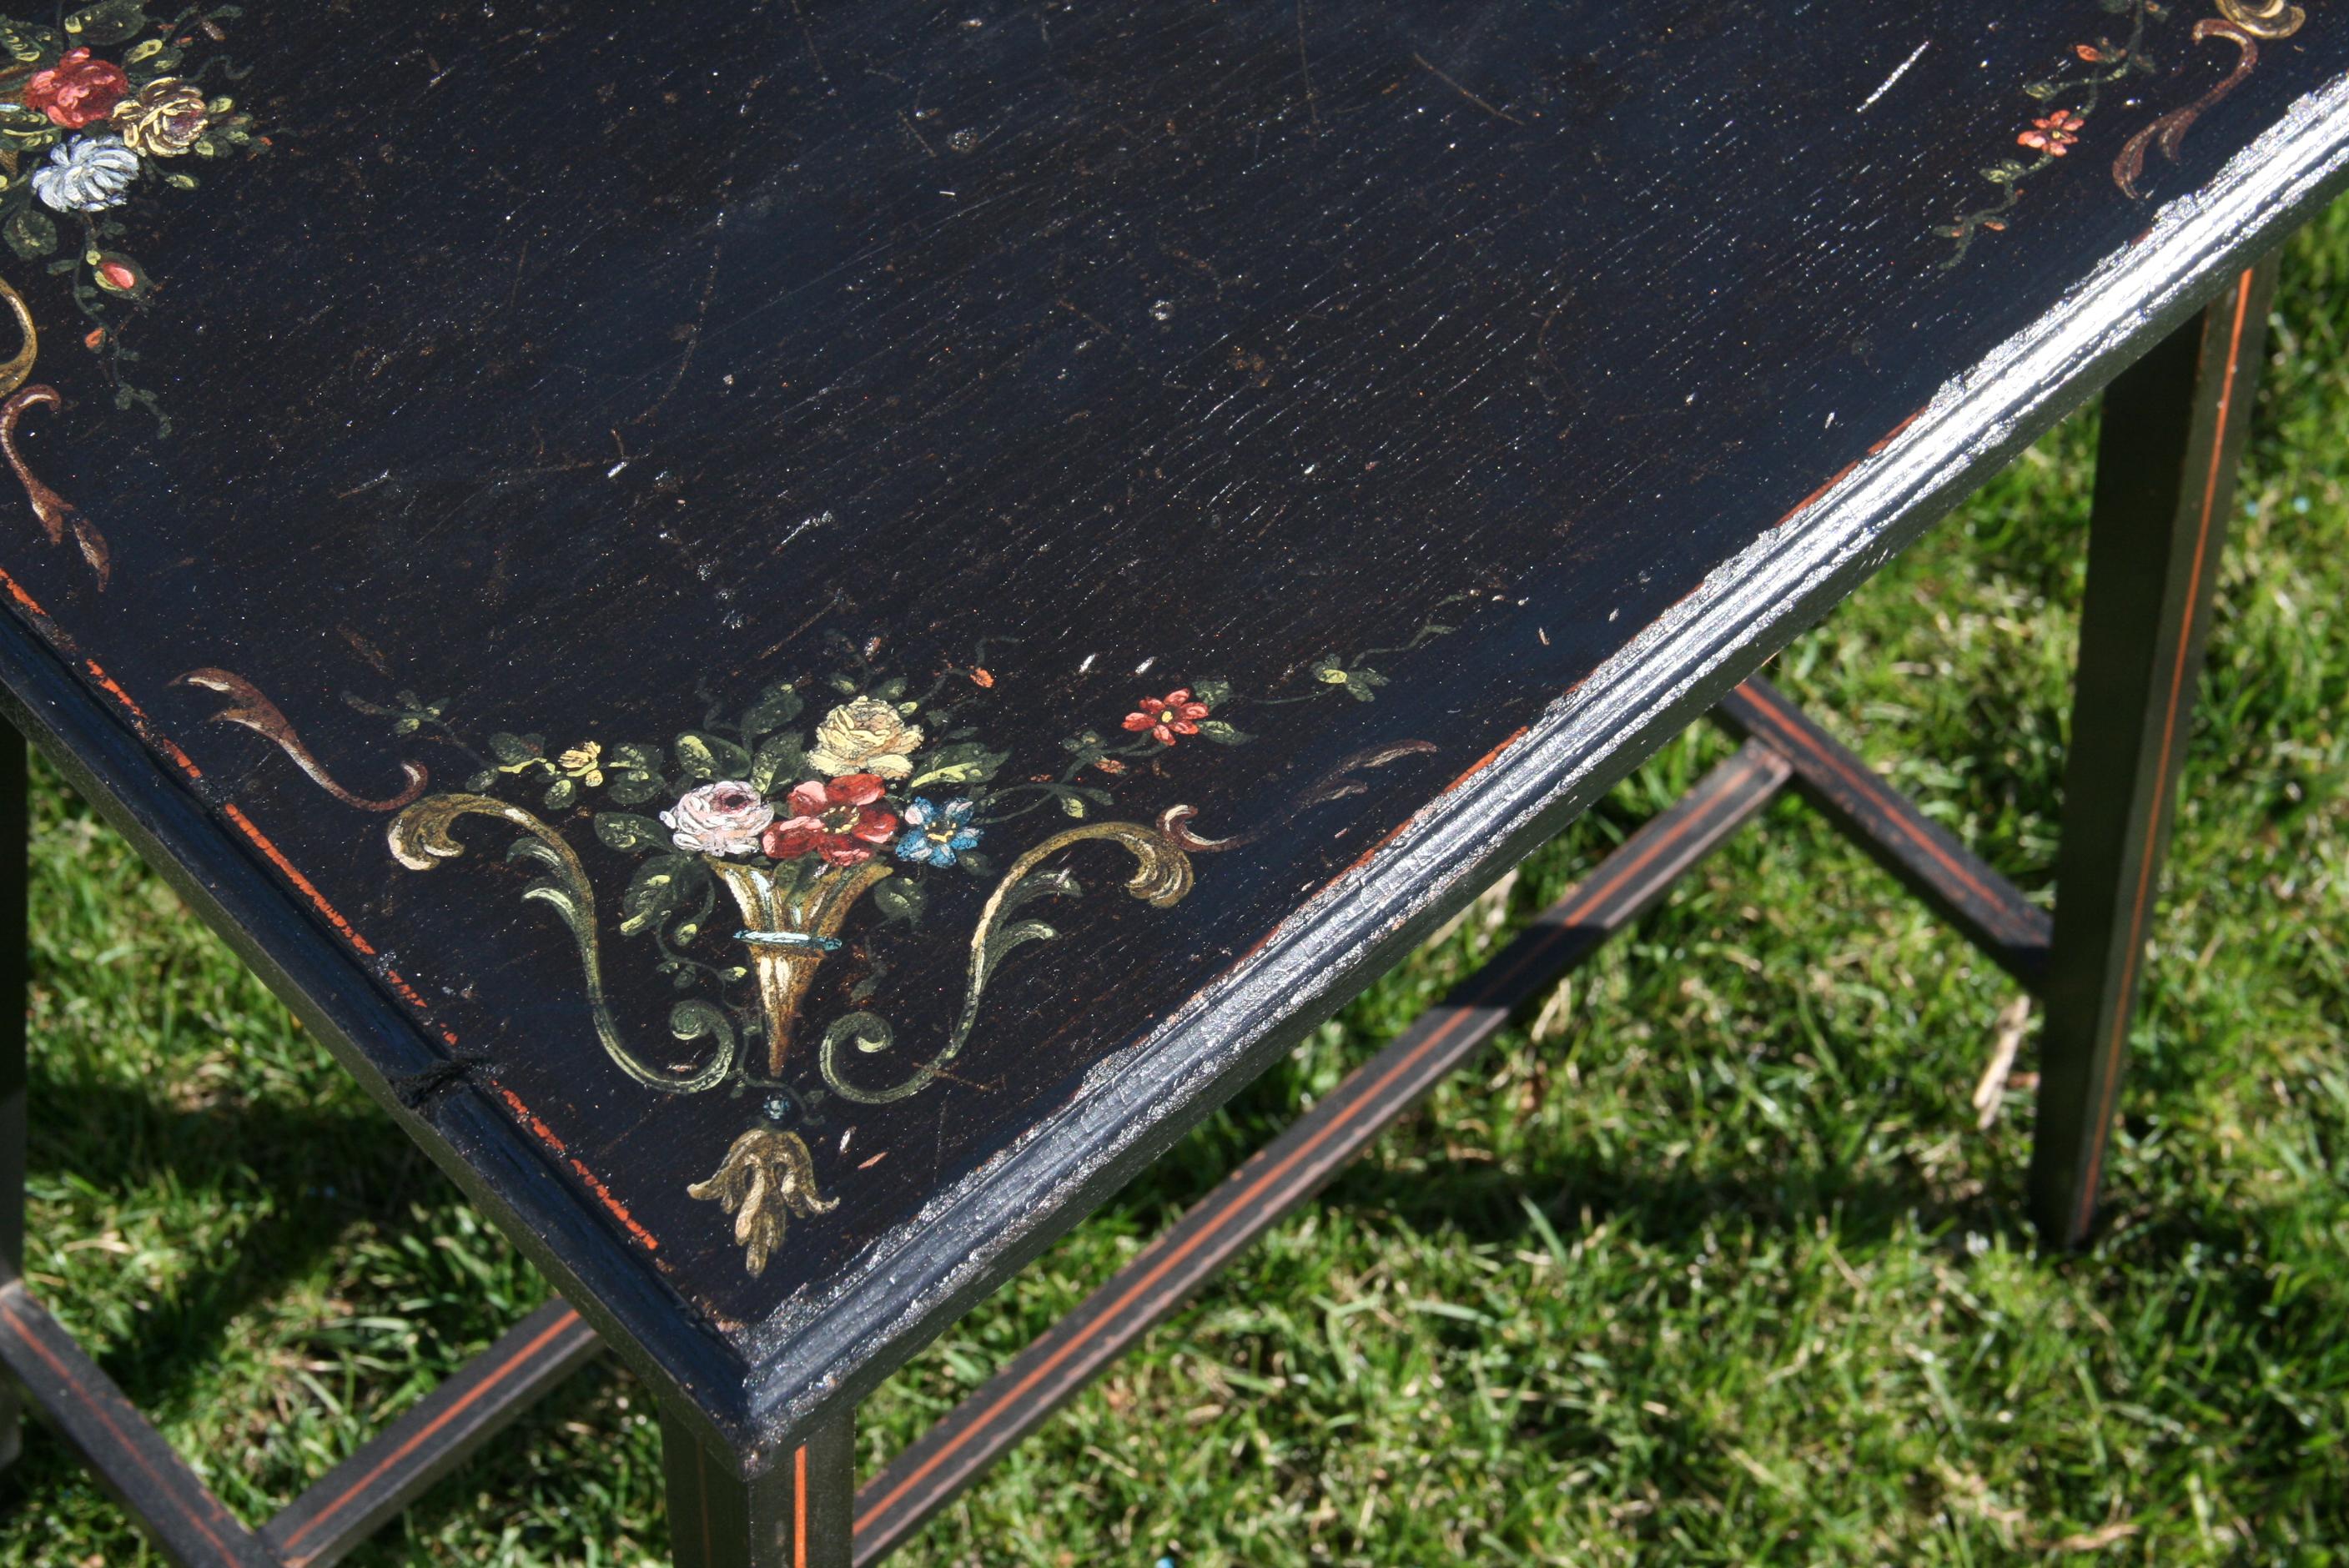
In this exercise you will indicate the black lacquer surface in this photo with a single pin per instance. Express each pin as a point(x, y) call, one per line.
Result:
point(587, 370)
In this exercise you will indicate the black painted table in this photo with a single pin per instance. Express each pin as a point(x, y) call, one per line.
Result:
point(803, 630)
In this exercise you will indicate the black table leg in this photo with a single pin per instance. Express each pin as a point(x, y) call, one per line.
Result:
point(797, 1515)
point(14, 838)
point(2173, 427)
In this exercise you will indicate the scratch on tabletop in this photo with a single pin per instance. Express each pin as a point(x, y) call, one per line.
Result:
point(1095, 322)
point(814, 519)
point(1430, 67)
point(1305, 70)
point(700, 314)
point(1897, 72)
point(839, 596)
point(916, 132)
point(809, 34)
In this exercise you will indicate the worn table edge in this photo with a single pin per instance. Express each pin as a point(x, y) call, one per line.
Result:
point(338, 1002)
point(833, 1346)
point(839, 1345)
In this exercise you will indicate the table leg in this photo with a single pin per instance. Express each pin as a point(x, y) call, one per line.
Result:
point(2173, 428)
point(14, 838)
point(797, 1515)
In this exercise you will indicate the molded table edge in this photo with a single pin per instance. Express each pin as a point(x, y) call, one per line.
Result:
point(336, 1001)
point(836, 1346)
point(840, 1345)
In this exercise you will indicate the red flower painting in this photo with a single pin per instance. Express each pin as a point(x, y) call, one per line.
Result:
point(78, 90)
point(2053, 134)
point(839, 821)
point(1168, 716)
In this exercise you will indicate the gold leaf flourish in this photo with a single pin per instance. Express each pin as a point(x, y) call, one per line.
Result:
point(17, 369)
point(56, 513)
point(1162, 876)
point(2264, 18)
point(766, 1177)
point(421, 839)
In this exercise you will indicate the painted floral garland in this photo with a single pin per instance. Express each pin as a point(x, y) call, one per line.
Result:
point(112, 99)
point(757, 839)
point(2069, 96)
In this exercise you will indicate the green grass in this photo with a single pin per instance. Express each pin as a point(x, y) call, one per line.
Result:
point(1718, 1270)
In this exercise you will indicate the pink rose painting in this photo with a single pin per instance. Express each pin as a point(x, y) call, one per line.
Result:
point(721, 818)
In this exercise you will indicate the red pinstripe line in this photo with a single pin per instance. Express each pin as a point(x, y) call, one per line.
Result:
point(29, 1338)
point(561, 1325)
point(2162, 777)
point(1239, 1204)
point(799, 1508)
point(1866, 782)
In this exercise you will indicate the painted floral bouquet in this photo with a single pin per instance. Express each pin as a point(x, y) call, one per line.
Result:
point(787, 830)
point(110, 97)
point(758, 835)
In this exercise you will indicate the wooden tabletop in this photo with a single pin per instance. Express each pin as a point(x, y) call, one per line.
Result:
point(806, 628)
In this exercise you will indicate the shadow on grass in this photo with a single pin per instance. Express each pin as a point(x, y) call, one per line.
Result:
point(298, 1178)
point(277, 1148)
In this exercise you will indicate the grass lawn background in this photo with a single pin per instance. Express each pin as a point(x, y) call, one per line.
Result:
point(1707, 1264)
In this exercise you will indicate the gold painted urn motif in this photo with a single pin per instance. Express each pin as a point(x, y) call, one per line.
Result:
point(791, 924)
point(779, 867)
point(750, 880)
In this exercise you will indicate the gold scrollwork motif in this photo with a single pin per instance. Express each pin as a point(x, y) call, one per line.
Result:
point(766, 1177)
point(788, 931)
point(795, 821)
point(1162, 876)
point(421, 839)
point(2243, 23)
point(2267, 19)
point(56, 514)
point(17, 368)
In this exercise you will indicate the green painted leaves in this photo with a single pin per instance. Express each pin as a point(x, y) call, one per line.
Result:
point(900, 899)
point(660, 887)
point(965, 762)
point(629, 833)
point(776, 706)
point(30, 233)
point(2062, 104)
point(516, 752)
point(107, 22)
point(97, 121)
point(634, 775)
point(702, 758)
point(25, 44)
point(779, 759)
point(1361, 684)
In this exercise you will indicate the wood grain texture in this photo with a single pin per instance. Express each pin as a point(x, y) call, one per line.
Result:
point(579, 374)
